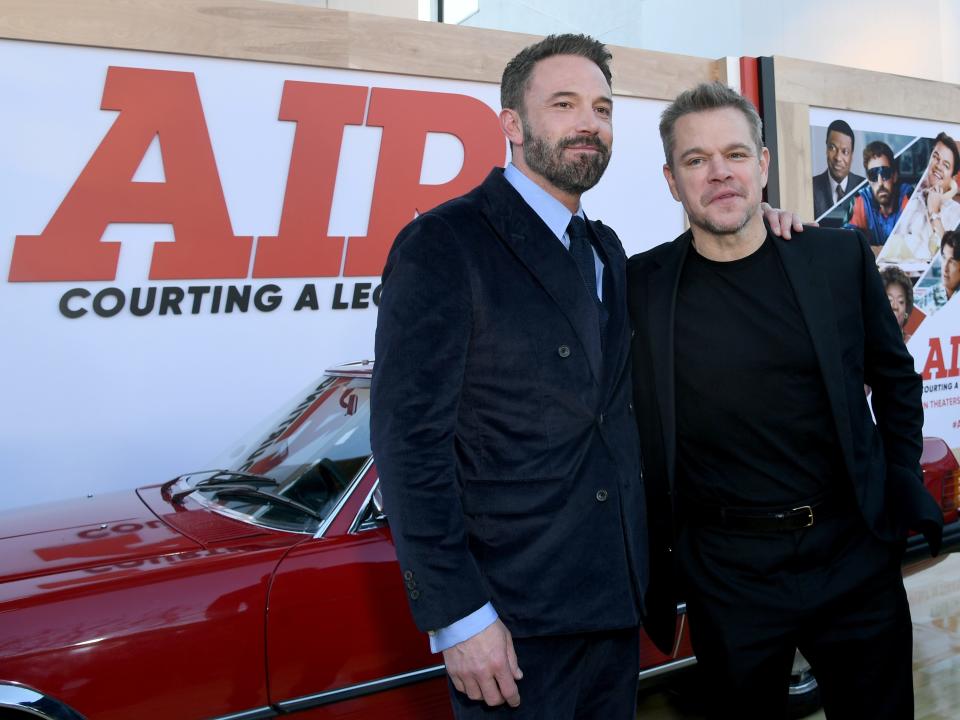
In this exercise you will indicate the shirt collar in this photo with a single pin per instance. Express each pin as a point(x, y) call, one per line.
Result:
point(554, 213)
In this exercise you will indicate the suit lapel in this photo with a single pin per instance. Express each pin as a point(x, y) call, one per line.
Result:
point(522, 230)
point(661, 309)
point(616, 348)
point(815, 300)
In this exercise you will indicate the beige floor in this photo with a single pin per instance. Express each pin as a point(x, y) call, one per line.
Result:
point(935, 605)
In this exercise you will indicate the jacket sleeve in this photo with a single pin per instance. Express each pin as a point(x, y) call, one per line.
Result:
point(897, 408)
point(423, 333)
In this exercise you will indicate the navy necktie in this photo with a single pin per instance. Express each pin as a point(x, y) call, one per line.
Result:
point(582, 252)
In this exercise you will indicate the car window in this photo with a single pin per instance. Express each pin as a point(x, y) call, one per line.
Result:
point(313, 448)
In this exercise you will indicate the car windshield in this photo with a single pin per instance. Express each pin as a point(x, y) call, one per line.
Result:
point(313, 448)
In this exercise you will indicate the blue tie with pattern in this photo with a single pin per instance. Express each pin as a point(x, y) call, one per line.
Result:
point(582, 252)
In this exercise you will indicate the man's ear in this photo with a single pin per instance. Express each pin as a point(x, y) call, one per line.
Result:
point(671, 182)
point(764, 166)
point(512, 126)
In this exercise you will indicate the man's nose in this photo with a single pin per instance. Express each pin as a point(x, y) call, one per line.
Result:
point(587, 121)
point(719, 168)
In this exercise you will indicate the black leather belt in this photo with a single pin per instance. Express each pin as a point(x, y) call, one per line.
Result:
point(762, 520)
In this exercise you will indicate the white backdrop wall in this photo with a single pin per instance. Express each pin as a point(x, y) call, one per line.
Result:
point(918, 39)
point(96, 402)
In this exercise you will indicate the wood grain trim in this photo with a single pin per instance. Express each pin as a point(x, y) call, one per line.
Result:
point(832, 86)
point(795, 169)
point(302, 35)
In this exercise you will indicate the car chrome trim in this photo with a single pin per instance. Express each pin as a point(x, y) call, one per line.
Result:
point(14, 696)
point(653, 672)
point(261, 713)
point(357, 523)
point(804, 687)
point(360, 689)
point(347, 494)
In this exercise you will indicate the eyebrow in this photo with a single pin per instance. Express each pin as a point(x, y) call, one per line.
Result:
point(728, 148)
point(570, 94)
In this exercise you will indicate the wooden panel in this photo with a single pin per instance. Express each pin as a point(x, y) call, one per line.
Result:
point(832, 86)
point(793, 145)
point(298, 34)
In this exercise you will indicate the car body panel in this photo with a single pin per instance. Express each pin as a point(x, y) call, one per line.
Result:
point(159, 604)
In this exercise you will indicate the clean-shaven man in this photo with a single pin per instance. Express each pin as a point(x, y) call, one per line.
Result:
point(836, 182)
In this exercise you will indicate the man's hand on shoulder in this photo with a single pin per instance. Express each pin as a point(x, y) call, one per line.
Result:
point(782, 222)
point(484, 667)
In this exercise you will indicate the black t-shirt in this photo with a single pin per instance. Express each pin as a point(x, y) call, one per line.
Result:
point(754, 426)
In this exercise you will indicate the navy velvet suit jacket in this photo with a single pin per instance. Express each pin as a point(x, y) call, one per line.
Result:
point(502, 428)
point(856, 340)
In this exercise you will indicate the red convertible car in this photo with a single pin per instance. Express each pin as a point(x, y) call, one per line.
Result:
point(264, 587)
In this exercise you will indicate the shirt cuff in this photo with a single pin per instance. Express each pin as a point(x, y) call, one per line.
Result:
point(463, 629)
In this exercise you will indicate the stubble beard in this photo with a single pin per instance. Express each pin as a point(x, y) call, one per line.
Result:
point(574, 176)
point(716, 228)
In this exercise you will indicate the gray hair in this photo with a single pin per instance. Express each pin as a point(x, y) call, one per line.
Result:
point(516, 75)
point(707, 96)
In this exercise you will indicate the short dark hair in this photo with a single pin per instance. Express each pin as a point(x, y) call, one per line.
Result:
point(842, 127)
point(707, 96)
point(877, 149)
point(951, 239)
point(516, 75)
point(895, 276)
point(952, 145)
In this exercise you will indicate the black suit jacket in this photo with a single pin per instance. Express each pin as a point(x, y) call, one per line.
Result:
point(856, 340)
point(823, 198)
point(502, 431)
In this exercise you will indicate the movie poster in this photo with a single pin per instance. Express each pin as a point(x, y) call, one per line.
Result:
point(896, 179)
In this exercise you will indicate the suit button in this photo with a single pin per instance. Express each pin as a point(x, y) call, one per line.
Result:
point(414, 594)
point(600, 419)
point(408, 575)
point(669, 549)
point(411, 585)
point(601, 495)
point(563, 351)
point(630, 407)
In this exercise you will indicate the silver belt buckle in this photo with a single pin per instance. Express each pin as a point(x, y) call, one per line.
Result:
point(809, 511)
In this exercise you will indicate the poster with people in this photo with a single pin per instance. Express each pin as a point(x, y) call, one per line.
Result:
point(896, 180)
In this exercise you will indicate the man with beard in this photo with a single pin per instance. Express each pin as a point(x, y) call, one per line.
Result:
point(787, 504)
point(502, 422)
point(836, 182)
point(877, 207)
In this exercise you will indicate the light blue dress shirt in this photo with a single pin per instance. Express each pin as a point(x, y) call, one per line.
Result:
point(556, 216)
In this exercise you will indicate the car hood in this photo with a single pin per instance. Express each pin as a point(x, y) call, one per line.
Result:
point(82, 533)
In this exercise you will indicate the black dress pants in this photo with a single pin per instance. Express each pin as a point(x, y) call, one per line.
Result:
point(832, 590)
point(588, 676)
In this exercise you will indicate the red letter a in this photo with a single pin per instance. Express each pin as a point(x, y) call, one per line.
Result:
point(151, 103)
